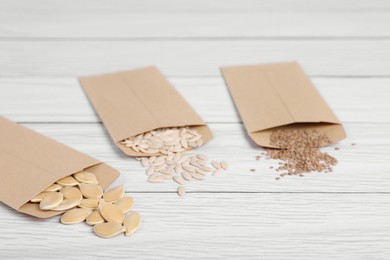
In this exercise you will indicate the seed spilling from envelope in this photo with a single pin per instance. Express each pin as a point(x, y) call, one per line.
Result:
point(171, 158)
point(82, 199)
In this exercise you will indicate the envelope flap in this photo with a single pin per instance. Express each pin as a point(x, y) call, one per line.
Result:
point(133, 102)
point(274, 95)
point(29, 162)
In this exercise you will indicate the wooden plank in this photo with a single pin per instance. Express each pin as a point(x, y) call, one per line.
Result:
point(191, 58)
point(200, 6)
point(62, 99)
point(362, 168)
point(117, 24)
point(218, 226)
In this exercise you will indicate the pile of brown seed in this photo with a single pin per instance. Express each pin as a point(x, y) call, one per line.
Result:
point(300, 152)
point(83, 199)
point(177, 162)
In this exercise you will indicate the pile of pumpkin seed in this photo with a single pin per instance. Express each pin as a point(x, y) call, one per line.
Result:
point(83, 199)
point(176, 161)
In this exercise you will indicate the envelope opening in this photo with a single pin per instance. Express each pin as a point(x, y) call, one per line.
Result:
point(204, 130)
point(104, 173)
point(334, 131)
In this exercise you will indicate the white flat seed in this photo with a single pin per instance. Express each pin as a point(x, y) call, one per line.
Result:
point(94, 218)
point(224, 165)
point(187, 176)
point(74, 216)
point(166, 171)
point(40, 196)
point(197, 176)
point(72, 193)
point(91, 191)
point(51, 201)
point(202, 157)
point(200, 171)
point(205, 168)
point(132, 223)
point(152, 178)
point(150, 171)
point(67, 181)
point(199, 142)
point(145, 162)
point(189, 168)
point(86, 177)
point(178, 179)
point(66, 204)
point(181, 191)
point(54, 187)
point(216, 172)
point(161, 178)
point(216, 165)
point(108, 230)
point(178, 168)
point(114, 194)
point(111, 213)
point(90, 203)
point(125, 204)
point(152, 159)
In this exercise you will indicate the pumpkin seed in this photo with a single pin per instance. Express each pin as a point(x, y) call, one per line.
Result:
point(125, 204)
point(90, 203)
point(54, 187)
point(109, 229)
point(51, 201)
point(72, 193)
point(114, 194)
point(94, 218)
point(67, 181)
point(40, 196)
point(67, 204)
point(111, 213)
point(91, 191)
point(132, 223)
point(74, 216)
point(86, 177)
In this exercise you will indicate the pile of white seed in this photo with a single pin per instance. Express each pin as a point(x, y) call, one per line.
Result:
point(177, 161)
point(82, 199)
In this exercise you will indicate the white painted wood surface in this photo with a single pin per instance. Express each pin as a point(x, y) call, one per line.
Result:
point(343, 45)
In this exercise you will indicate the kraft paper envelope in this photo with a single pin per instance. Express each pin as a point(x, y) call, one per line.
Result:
point(133, 102)
point(279, 96)
point(31, 162)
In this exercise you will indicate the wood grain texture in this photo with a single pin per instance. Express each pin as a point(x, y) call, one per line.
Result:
point(218, 226)
point(232, 144)
point(191, 58)
point(343, 45)
point(210, 25)
point(62, 99)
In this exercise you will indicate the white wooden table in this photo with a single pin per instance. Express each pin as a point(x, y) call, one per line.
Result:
point(343, 45)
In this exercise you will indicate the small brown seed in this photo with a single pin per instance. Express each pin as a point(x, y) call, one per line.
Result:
point(132, 223)
point(108, 230)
